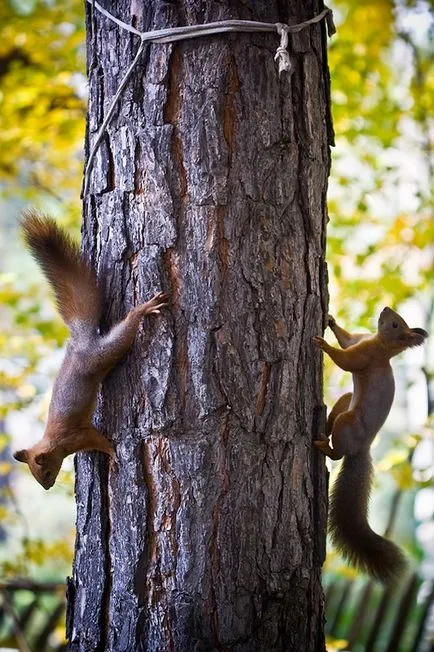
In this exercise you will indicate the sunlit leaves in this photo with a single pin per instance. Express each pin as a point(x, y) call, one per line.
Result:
point(357, 63)
point(41, 97)
point(333, 644)
point(28, 333)
point(381, 226)
point(36, 553)
point(42, 109)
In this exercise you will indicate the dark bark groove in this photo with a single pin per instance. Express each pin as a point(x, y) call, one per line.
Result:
point(208, 532)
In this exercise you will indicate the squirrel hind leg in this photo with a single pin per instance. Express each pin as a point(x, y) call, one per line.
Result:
point(325, 447)
point(341, 405)
point(348, 436)
point(339, 419)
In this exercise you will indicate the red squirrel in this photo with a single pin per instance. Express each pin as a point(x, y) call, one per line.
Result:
point(89, 355)
point(353, 424)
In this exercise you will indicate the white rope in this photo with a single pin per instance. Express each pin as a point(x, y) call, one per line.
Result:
point(172, 34)
point(107, 119)
point(169, 34)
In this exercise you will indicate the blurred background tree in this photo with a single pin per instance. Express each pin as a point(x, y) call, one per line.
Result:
point(380, 237)
point(42, 121)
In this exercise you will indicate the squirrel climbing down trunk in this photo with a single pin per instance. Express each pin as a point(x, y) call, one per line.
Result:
point(353, 424)
point(89, 355)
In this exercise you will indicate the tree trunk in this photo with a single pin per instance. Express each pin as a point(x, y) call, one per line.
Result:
point(208, 532)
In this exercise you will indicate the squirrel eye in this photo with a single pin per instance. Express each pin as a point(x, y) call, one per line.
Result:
point(394, 324)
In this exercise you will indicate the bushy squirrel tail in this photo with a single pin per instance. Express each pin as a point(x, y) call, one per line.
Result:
point(74, 283)
point(349, 527)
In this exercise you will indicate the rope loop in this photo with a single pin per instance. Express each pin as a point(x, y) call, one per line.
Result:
point(172, 34)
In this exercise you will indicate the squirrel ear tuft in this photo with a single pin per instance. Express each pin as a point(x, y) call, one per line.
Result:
point(21, 456)
point(41, 459)
point(420, 331)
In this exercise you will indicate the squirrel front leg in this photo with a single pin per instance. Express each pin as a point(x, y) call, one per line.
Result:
point(344, 338)
point(350, 359)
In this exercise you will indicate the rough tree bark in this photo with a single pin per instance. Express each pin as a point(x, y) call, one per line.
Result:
point(208, 533)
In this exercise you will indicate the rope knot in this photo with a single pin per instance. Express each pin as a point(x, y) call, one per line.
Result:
point(282, 54)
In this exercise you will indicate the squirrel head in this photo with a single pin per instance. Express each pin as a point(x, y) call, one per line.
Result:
point(396, 334)
point(44, 463)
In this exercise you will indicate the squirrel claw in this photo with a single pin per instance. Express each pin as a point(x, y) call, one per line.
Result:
point(153, 306)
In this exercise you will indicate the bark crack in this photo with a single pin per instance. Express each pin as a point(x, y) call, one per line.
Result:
point(106, 529)
point(263, 387)
point(139, 173)
point(171, 115)
point(216, 514)
point(230, 109)
point(111, 175)
point(148, 554)
point(171, 266)
point(282, 486)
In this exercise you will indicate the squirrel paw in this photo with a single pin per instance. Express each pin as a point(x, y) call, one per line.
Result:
point(319, 341)
point(153, 305)
point(331, 321)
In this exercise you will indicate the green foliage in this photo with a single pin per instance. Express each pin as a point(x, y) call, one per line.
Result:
point(361, 74)
point(42, 111)
point(42, 107)
point(34, 554)
point(381, 228)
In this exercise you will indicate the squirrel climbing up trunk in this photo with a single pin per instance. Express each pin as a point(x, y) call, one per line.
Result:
point(353, 424)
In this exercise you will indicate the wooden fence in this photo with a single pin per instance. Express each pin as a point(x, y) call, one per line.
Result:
point(371, 618)
point(362, 613)
point(32, 616)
